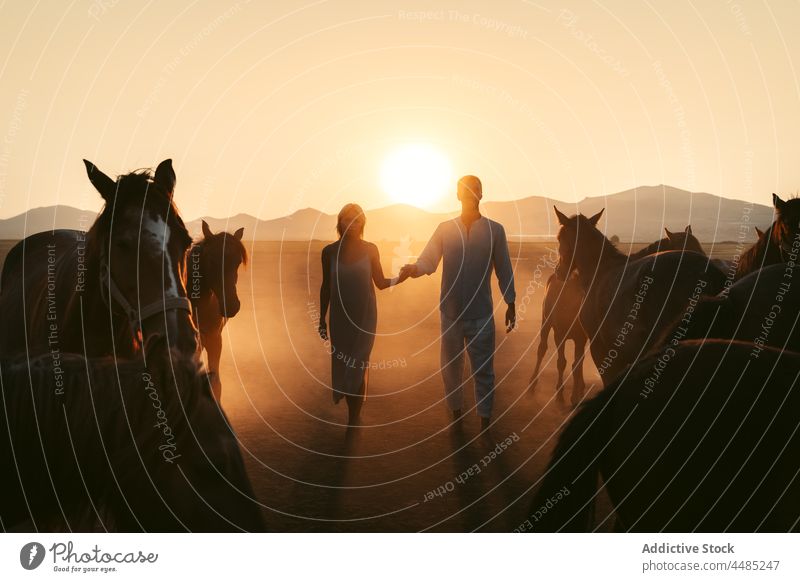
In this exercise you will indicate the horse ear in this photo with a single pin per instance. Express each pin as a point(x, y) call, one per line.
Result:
point(239, 234)
point(596, 218)
point(777, 202)
point(669, 234)
point(165, 176)
point(207, 230)
point(105, 185)
point(759, 232)
point(689, 229)
point(562, 218)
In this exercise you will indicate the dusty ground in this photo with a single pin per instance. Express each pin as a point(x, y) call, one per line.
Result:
point(311, 476)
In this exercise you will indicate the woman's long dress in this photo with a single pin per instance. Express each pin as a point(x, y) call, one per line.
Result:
point(353, 319)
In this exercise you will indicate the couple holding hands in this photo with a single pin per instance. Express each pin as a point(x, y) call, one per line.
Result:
point(469, 247)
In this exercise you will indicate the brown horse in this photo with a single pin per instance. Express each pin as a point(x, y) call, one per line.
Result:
point(700, 437)
point(628, 303)
point(107, 291)
point(106, 443)
point(560, 308)
point(213, 272)
point(778, 239)
point(562, 304)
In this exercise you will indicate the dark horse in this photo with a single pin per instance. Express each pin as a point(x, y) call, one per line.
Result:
point(560, 308)
point(697, 437)
point(108, 290)
point(763, 308)
point(213, 273)
point(113, 445)
point(778, 240)
point(628, 304)
point(562, 304)
point(674, 241)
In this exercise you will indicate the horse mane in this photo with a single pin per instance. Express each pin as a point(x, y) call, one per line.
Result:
point(596, 237)
point(230, 240)
point(239, 246)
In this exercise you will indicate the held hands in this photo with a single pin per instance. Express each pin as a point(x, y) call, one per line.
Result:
point(511, 317)
point(408, 271)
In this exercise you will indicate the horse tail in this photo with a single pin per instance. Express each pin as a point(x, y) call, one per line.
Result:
point(565, 499)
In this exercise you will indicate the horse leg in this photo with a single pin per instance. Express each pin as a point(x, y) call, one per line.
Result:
point(539, 355)
point(561, 341)
point(212, 342)
point(578, 384)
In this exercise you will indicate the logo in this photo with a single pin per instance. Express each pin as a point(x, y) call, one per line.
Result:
point(31, 555)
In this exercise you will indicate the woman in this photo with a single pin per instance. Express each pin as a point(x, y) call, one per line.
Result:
point(350, 267)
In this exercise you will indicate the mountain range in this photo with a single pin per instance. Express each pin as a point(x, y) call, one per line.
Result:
point(637, 215)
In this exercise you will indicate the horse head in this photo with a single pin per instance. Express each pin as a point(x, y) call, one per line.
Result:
point(223, 253)
point(577, 235)
point(785, 231)
point(140, 243)
point(684, 241)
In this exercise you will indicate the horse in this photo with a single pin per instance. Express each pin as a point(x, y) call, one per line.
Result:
point(560, 306)
point(762, 308)
point(674, 241)
point(562, 302)
point(702, 436)
point(213, 273)
point(628, 303)
point(112, 444)
point(109, 290)
point(776, 245)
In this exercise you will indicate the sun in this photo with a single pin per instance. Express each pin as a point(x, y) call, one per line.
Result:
point(417, 174)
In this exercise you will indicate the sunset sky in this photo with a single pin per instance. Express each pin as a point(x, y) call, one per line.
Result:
point(269, 107)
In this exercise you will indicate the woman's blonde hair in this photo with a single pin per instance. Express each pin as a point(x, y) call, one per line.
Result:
point(357, 219)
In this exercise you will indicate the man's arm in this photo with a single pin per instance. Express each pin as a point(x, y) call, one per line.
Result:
point(505, 274)
point(428, 261)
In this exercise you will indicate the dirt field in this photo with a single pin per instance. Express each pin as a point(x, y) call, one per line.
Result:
point(310, 476)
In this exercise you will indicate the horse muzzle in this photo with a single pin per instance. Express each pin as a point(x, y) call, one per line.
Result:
point(175, 326)
point(230, 309)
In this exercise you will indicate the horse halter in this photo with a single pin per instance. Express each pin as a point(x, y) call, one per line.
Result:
point(136, 317)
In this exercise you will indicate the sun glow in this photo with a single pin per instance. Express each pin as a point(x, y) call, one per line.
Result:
point(417, 174)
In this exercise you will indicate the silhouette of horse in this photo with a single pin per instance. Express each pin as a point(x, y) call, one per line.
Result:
point(762, 308)
point(562, 304)
point(111, 444)
point(560, 308)
point(674, 241)
point(705, 440)
point(108, 290)
point(776, 245)
point(213, 273)
point(628, 303)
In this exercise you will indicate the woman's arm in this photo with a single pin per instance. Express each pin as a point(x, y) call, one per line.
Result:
point(325, 292)
point(381, 282)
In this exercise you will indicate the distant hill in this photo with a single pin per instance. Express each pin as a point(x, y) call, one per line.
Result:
point(638, 215)
point(45, 218)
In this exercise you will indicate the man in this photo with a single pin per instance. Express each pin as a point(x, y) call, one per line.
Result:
point(469, 246)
